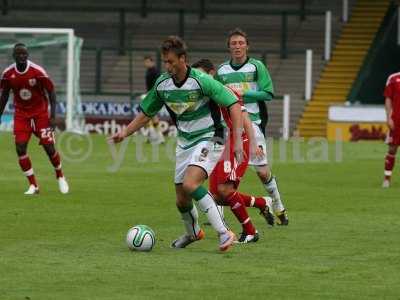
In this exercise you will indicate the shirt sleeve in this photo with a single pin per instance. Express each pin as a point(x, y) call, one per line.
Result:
point(216, 91)
point(45, 80)
point(151, 104)
point(264, 82)
point(388, 92)
point(4, 82)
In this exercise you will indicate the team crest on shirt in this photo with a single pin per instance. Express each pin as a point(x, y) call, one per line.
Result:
point(25, 94)
point(249, 77)
point(32, 81)
point(193, 96)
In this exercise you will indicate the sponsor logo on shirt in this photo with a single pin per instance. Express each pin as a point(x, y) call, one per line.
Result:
point(25, 94)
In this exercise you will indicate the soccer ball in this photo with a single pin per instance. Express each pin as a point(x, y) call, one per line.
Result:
point(140, 238)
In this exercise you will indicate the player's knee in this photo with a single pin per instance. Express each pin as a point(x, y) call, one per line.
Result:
point(263, 174)
point(21, 149)
point(393, 150)
point(224, 190)
point(189, 186)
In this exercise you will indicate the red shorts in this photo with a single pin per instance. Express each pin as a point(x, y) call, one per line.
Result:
point(227, 169)
point(393, 136)
point(38, 125)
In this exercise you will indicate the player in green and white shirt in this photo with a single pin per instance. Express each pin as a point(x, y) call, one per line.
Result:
point(186, 94)
point(250, 78)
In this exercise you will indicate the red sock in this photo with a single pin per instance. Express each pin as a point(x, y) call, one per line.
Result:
point(56, 162)
point(26, 166)
point(389, 165)
point(251, 201)
point(239, 210)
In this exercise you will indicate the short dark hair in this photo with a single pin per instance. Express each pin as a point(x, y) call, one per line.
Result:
point(149, 57)
point(174, 44)
point(205, 64)
point(236, 31)
point(19, 45)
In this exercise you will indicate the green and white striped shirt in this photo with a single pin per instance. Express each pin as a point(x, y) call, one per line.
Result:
point(252, 79)
point(189, 104)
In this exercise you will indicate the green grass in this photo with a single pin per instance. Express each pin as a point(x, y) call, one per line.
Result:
point(343, 241)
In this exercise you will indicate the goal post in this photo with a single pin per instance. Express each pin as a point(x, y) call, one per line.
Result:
point(63, 48)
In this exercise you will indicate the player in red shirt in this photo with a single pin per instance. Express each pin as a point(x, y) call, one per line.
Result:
point(225, 178)
point(29, 84)
point(392, 106)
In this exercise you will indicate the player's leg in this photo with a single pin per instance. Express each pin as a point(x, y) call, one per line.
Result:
point(46, 137)
point(269, 182)
point(55, 160)
point(26, 167)
point(228, 192)
point(22, 134)
point(264, 204)
point(192, 185)
point(267, 179)
point(389, 164)
point(190, 219)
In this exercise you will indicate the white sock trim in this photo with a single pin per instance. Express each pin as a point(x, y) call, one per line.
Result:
point(253, 200)
point(246, 221)
point(388, 173)
point(29, 172)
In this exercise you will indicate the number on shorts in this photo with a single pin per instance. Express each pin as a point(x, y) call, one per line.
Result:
point(47, 134)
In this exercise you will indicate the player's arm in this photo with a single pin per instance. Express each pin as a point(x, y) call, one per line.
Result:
point(266, 92)
point(248, 128)
point(5, 93)
point(388, 108)
point(48, 85)
point(53, 105)
point(222, 96)
point(149, 107)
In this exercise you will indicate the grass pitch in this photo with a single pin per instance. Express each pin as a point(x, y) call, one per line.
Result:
point(343, 240)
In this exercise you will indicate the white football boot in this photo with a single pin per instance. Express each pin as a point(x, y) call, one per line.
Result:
point(63, 185)
point(32, 190)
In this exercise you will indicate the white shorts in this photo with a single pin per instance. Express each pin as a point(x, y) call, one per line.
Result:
point(260, 138)
point(205, 154)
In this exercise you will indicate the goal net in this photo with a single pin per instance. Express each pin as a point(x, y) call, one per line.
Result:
point(58, 51)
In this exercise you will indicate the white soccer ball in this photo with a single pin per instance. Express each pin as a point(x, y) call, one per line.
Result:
point(140, 238)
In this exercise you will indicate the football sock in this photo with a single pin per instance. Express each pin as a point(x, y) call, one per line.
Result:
point(251, 201)
point(272, 188)
point(190, 219)
point(239, 210)
point(26, 166)
point(56, 162)
point(207, 205)
point(389, 165)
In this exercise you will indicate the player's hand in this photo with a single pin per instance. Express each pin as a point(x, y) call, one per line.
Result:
point(390, 124)
point(256, 152)
point(116, 137)
point(52, 123)
point(238, 150)
point(238, 92)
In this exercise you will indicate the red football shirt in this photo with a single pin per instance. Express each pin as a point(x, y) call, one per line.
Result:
point(392, 91)
point(28, 88)
point(227, 117)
